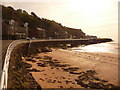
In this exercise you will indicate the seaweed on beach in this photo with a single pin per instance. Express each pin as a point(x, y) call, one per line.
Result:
point(47, 60)
point(77, 73)
point(34, 70)
point(71, 69)
point(68, 81)
point(30, 60)
point(38, 57)
point(55, 60)
point(47, 57)
point(89, 80)
point(41, 64)
point(26, 65)
point(61, 65)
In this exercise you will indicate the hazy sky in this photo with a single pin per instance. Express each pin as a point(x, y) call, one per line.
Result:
point(94, 17)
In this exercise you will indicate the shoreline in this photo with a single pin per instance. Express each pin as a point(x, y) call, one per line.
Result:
point(66, 70)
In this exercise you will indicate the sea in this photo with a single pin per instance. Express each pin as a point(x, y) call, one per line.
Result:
point(108, 47)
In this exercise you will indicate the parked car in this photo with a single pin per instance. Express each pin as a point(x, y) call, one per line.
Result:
point(33, 38)
point(28, 38)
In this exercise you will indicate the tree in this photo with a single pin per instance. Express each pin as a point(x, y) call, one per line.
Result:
point(19, 10)
point(33, 14)
point(25, 12)
point(10, 7)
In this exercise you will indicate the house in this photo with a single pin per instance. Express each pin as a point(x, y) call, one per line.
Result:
point(41, 32)
point(16, 31)
point(21, 33)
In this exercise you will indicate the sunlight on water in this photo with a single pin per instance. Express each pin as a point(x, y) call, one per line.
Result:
point(110, 47)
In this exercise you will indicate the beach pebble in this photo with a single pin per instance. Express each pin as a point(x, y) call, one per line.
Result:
point(41, 79)
point(59, 81)
point(61, 86)
point(63, 77)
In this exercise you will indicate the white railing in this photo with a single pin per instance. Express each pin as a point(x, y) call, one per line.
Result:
point(4, 77)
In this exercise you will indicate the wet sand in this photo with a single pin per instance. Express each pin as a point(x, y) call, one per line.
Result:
point(66, 69)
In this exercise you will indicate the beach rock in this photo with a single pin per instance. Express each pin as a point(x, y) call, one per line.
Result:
point(48, 62)
point(27, 65)
point(48, 57)
point(68, 81)
point(41, 65)
point(30, 60)
point(63, 77)
point(55, 60)
point(76, 73)
point(39, 88)
point(95, 85)
point(45, 74)
point(34, 70)
point(41, 79)
point(89, 80)
point(38, 57)
point(61, 86)
point(71, 69)
point(59, 65)
point(73, 83)
point(91, 72)
point(52, 68)
point(59, 82)
point(46, 49)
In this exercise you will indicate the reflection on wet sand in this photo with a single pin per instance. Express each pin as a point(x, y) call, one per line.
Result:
point(110, 47)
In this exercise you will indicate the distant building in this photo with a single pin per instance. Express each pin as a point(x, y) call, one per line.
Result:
point(12, 29)
point(16, 31)
point(41, 32)
point(21, 33)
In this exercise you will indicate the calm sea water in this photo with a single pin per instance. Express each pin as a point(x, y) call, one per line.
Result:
point(109, 47)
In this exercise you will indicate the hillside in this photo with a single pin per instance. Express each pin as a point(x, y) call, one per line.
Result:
point(52, 29)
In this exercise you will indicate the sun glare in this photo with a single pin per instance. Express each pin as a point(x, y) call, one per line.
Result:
point(90, 9)
point(88, 5)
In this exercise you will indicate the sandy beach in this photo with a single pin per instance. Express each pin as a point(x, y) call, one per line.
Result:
point(67, 69)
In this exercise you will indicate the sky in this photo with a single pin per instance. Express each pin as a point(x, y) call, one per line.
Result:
point(94, 17)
